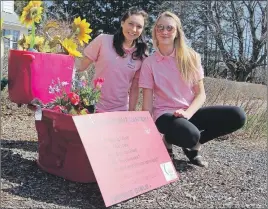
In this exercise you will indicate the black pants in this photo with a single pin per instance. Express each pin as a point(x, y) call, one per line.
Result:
point(206, 124)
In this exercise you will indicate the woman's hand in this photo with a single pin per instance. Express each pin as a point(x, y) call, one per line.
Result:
point(182, 114)
point(200, 97)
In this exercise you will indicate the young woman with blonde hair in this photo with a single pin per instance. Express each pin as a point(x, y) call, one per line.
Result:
point(173, 76)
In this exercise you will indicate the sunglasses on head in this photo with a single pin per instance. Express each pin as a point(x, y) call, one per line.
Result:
point(160, 28)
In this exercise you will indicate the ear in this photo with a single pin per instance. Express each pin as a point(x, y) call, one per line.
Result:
point(122, 22)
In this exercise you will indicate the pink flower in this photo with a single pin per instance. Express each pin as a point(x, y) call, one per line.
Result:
point(98, 83)
point(58, 108)
point(74, 98)
point(84, 83)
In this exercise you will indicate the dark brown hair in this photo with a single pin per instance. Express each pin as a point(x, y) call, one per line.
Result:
point(140, 43)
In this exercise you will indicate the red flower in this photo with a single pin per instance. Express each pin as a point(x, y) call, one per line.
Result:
point(74, 98)
point(98, 83)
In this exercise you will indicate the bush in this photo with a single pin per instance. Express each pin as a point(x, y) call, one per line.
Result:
point(251, 97)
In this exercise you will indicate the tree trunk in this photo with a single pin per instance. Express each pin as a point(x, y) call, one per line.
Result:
point(242, 75)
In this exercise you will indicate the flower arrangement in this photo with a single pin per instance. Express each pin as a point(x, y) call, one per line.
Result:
point(79, 33)
point(80, 100)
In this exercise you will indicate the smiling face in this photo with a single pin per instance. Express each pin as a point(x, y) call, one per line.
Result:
point(132, 27)
point(165, 31)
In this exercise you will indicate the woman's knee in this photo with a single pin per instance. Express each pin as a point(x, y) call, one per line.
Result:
point(185, 136)
point(238, 117)
point(163, 122)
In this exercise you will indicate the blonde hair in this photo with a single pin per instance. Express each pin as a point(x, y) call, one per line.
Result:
point(188, 61)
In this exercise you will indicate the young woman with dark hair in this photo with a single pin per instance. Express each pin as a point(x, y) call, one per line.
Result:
point(117, 59)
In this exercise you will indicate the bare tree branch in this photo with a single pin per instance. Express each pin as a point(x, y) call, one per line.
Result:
point(264, 22)
point(262, 58)
point(216, 31)
point(233, 32)
point(238, 29)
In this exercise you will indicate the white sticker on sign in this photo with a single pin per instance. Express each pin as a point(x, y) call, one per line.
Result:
point(168, 171)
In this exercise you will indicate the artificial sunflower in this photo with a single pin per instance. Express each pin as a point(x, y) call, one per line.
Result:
point(81, 27)
point(39, 43)
point(32, 13)
point(24, 43)
point(71, 47)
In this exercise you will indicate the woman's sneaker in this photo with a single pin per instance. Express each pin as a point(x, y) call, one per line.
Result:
point(195, 158)
point(170, 152)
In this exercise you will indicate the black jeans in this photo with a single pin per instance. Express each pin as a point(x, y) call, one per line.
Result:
point(206, 124)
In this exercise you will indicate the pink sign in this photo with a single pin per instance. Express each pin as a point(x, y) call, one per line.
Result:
point(126, 152)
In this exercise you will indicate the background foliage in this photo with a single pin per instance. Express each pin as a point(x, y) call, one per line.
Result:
point(231, 36)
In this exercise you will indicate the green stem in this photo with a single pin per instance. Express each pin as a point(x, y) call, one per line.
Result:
point(33, 36)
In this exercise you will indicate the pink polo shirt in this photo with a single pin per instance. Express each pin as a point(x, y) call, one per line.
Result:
point(117, 71)
point(171, 92)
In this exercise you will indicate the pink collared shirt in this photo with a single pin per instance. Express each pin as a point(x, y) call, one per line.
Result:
point(171, 92)
point(118, 72)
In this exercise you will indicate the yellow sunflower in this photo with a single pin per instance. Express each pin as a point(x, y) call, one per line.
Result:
point(39, 43)
point(24, 43)
point(27, 42)
point(82, 29)
point(70, 47)
point(32, 13)
point(39, 40)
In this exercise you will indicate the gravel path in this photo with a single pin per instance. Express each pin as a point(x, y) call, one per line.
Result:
point(236, 176)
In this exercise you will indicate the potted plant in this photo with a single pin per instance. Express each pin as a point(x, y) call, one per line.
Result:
point(43, 58)
point(60, 149)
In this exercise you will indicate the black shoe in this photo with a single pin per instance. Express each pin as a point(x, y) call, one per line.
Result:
point(171, 155)
point(195, 158)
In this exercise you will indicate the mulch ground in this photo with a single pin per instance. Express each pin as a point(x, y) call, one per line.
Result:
point(236, 176)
